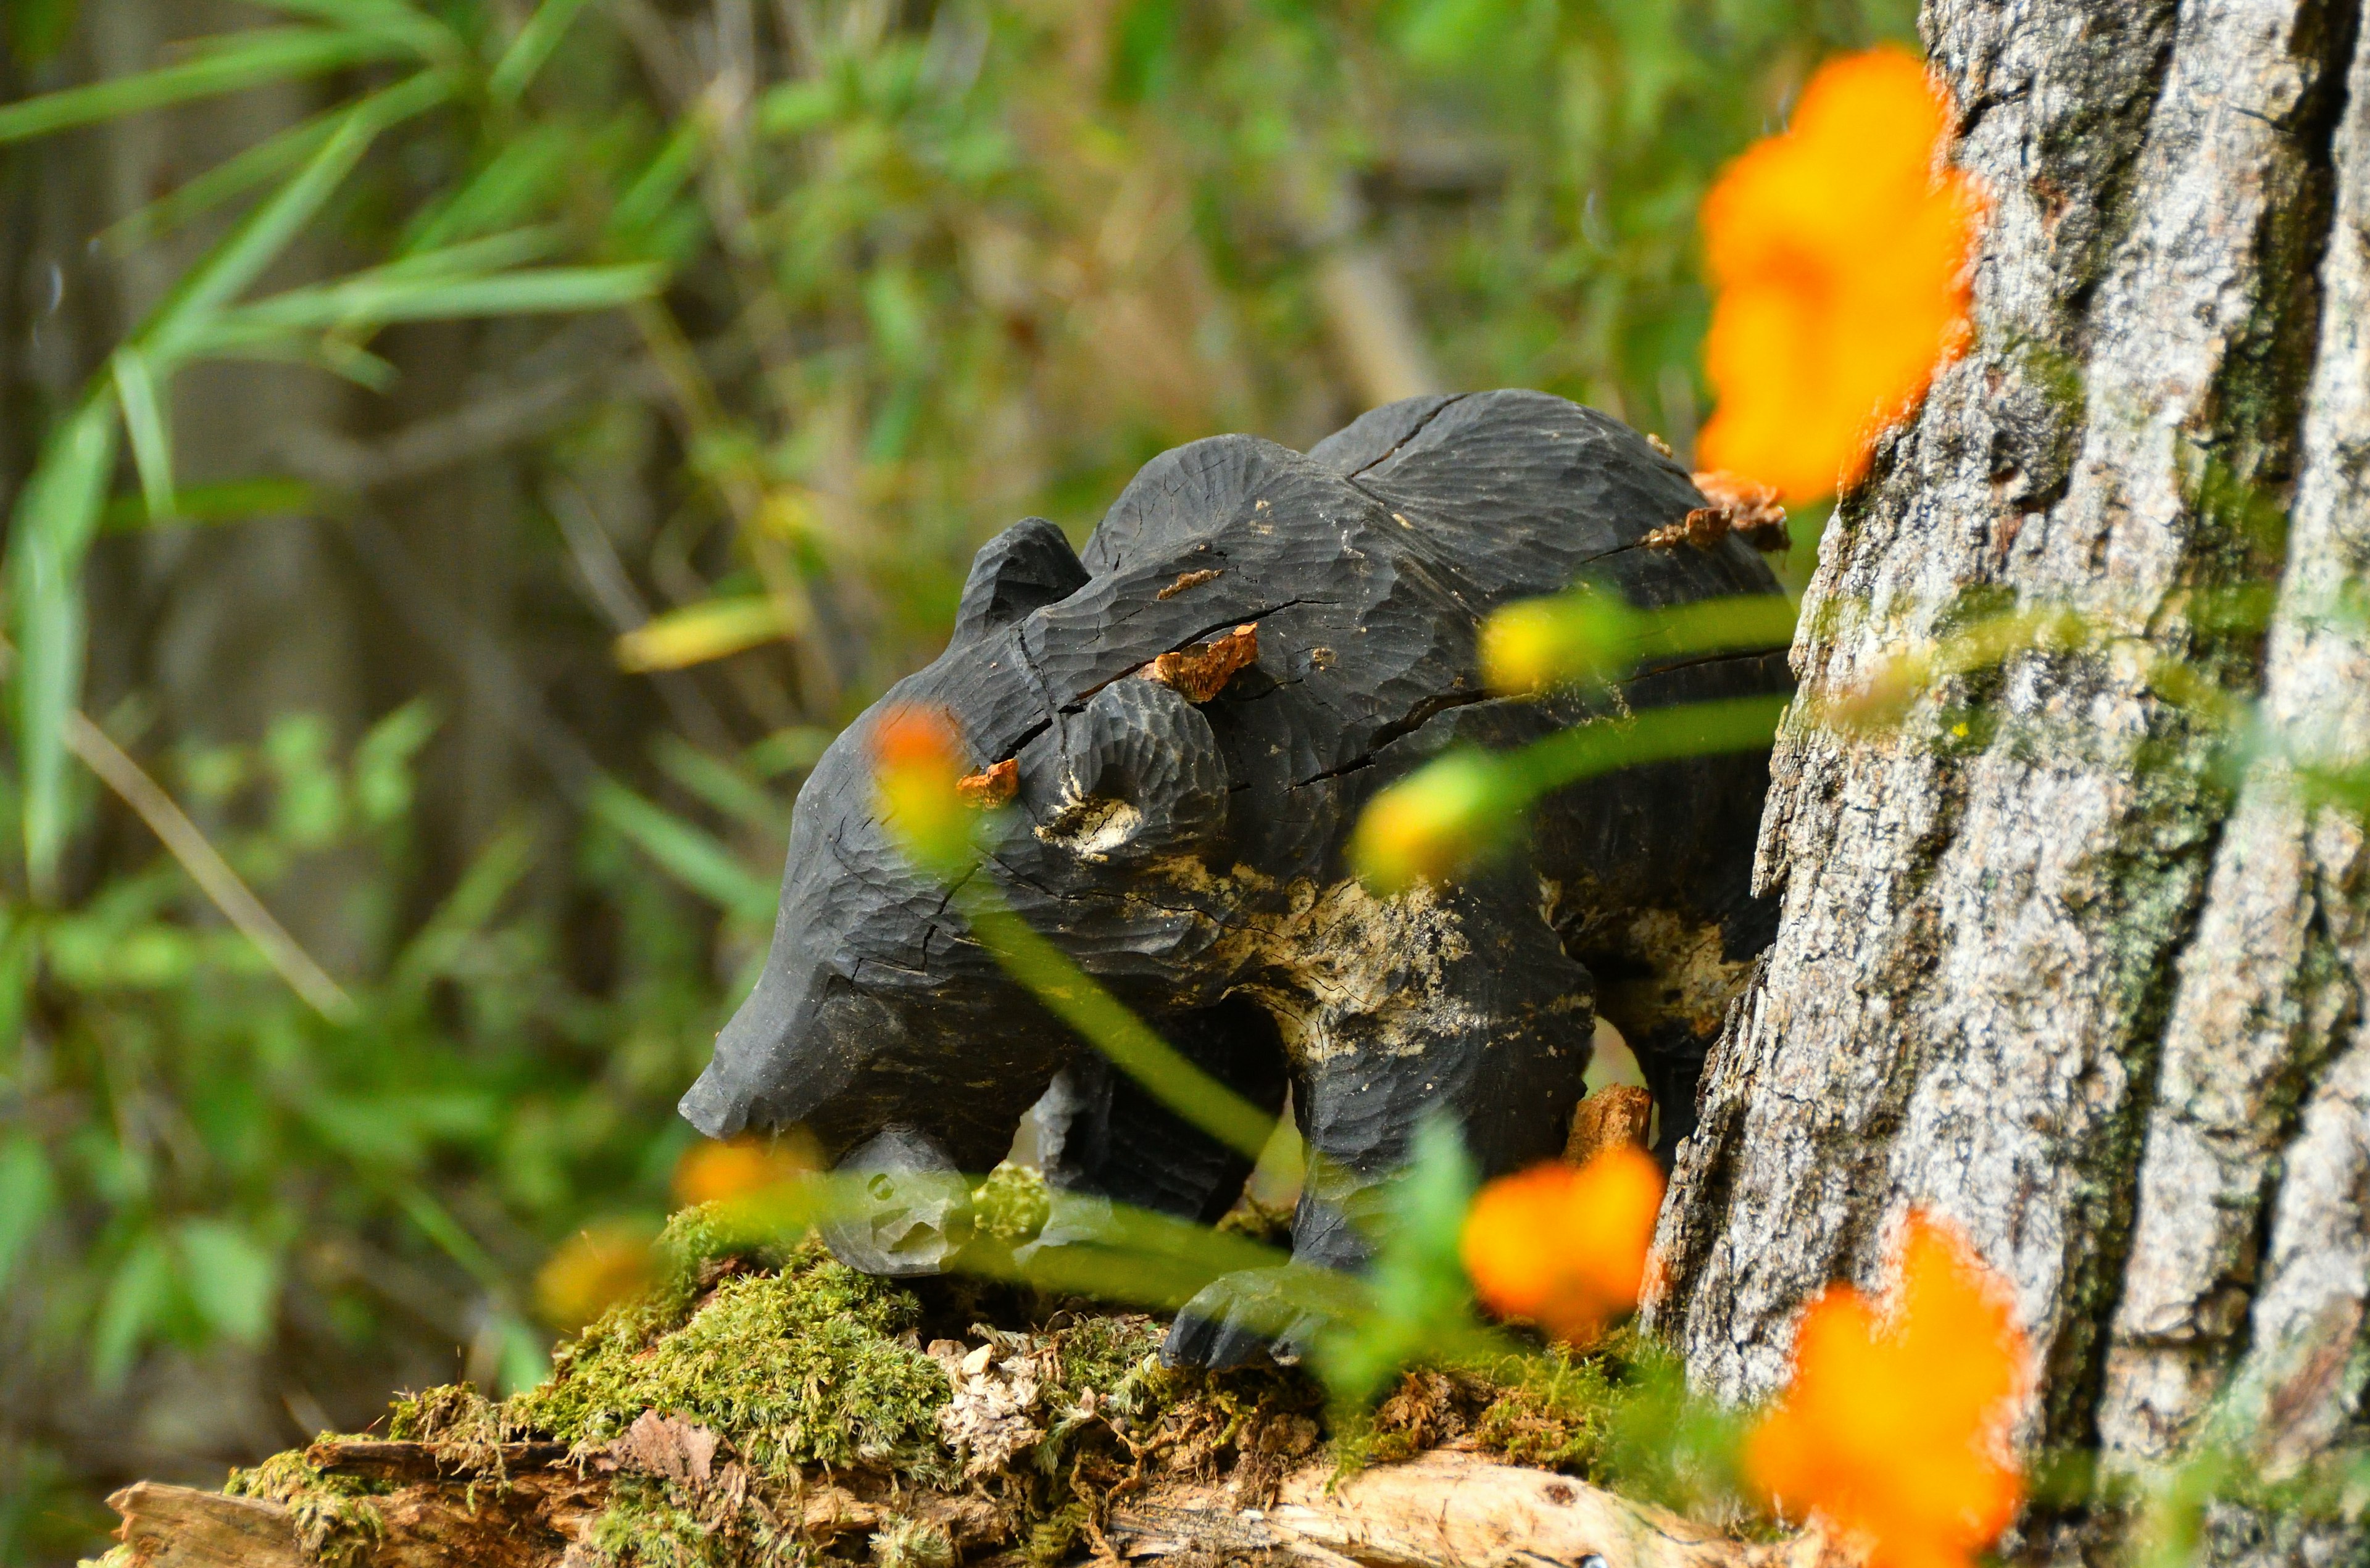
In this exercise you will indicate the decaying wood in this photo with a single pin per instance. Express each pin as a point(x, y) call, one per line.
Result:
point(418, 1461)
point(2038, 968)
point(1443, 1509)
point(1738, 506)
point(1615, 1114)
point(181, 1527)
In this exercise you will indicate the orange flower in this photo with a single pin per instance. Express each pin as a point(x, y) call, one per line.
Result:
point(1894, 1426)
point(1839, 255)
point(592, 1271)
point(718, 1173)
point(1566, 1246)
point(917, 759)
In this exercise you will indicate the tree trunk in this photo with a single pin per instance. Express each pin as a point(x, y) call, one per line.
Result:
point(2049, 962)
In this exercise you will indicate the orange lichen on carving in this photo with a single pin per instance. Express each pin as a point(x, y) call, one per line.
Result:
point(1838, 252)
point(1566, 1246)
point(1894, 1427)
point(1191, 579)
point(1201, 673)
point(995, 784)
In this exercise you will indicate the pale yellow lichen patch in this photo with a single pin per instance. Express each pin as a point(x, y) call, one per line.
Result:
point(1092, 828)
point(1690, 980)
point(1339, 955)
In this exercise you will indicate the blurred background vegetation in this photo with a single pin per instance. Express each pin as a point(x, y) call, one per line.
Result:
point(469, 455)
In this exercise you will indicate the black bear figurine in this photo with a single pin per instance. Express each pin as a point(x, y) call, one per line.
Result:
point(1184, 839)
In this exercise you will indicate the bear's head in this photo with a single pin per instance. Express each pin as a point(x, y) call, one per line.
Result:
point(877, 1008)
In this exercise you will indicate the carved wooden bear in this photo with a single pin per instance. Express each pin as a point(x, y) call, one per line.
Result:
point(1190, 853)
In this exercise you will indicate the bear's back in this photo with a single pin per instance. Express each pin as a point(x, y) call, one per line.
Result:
point(1512, 493)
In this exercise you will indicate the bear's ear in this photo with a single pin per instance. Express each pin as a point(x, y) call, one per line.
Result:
point(1025, 568)
point(1135, 775)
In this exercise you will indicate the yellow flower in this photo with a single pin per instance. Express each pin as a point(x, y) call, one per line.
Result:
point(1534, 644)
point(591, 1272)
point(1894, 1426)
point(1838, 252)
point(1432, 824)
point(1566, 1246)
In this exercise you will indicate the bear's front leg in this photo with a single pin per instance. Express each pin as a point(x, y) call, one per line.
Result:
point(1123, 1144)
point(1496, 1038)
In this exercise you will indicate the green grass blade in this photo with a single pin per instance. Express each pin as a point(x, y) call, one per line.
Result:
point(245, 251)
point(522, 179)
point(56, 515)
point(447, 934)
point(231, 501)
point(527, 53)
point(231, 338)
point(489, 253)
point(376, 298)
point(669, 170)
point(257, 57)
point(690, 855)
point(730, 789)
point(144, 423)
point(28, 1192)
point(1105, 1022)
point(390, 19)
point(269, 159)
point(1657, 734)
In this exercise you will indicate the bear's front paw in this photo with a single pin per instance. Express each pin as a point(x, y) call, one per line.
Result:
point(1241, 1319)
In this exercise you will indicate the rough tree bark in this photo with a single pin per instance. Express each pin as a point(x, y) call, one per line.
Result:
point(2043, 965)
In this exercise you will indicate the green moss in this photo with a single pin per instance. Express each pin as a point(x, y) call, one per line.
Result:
point(455, 1416)
point(813, 1364)
point(913, 1543)
point(644, 1525)
point(1013, 1204)
point(1552, 1408)
point(336, 1522)
point(1050, 1542)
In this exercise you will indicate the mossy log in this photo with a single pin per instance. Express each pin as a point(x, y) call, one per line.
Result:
point(1440, 1509)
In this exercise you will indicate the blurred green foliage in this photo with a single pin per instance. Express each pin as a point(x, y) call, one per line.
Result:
point(883, 277)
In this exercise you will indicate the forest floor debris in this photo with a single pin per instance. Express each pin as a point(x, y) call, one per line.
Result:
point(766, 1405)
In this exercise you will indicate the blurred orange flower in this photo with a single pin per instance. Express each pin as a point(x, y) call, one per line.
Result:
point(718, 1173)
point(1838, 252)
point(1895, 1425)
point(917, 758)
point(592, 1271)
point(1566, 1246)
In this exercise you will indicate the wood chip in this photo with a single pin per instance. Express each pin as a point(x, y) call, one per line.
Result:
point(667, 1446)
point(1615, 1114)
point(993, 786)
point(1191, 579)
point(181, 1527)
point(1446, 1509)
point(1201, 673)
